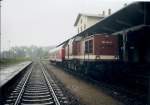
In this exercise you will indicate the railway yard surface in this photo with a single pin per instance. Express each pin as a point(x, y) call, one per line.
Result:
point(44, 83)
point(34, 86)
point(106, 62)
point(86, 93)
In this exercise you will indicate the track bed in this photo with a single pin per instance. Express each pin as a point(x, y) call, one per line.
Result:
point(86, 92)
point(37, 87)
point(94, 92)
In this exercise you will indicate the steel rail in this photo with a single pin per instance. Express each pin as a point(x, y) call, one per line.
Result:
point(51, 88)
point(22, 89)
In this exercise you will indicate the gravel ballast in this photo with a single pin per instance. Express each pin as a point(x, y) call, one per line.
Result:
point(87, 93)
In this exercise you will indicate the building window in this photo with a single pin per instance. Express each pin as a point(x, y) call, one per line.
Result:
point(81, 28)
point(81, 21)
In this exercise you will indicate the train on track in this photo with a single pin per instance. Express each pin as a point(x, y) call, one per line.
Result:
point(100, 55)
point(87, 54)
point(122, 55)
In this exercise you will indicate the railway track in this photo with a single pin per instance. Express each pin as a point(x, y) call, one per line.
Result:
point(37, 88)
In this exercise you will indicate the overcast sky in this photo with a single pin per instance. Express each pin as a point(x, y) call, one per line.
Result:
point(46, 22)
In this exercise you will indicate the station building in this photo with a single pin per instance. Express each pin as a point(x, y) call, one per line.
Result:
point(84, 21)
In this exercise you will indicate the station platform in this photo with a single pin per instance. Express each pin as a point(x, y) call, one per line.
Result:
point(8, 73)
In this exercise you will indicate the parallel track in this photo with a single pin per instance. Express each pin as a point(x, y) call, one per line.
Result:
point(37, 87)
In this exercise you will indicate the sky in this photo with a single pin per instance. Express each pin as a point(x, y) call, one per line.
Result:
point(46, 22)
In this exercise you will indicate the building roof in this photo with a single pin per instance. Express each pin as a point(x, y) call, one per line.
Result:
point(131, 17)
point(88, 15)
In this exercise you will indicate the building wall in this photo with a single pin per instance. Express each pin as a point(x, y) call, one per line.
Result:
point(81, 25)
point(85, 22)
point(92, 20)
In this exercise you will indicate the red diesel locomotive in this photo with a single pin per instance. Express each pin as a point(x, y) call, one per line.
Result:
point(88, 55)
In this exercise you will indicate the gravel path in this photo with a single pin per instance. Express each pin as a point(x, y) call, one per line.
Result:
point(86, 92)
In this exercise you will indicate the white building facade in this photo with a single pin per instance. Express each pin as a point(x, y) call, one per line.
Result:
point(85, 21)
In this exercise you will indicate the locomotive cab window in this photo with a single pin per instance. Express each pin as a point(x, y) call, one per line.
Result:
point(89, 46)
point(86, 47)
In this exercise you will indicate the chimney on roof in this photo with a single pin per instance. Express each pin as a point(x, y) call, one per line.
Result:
point(103, 13)
point(109, 11)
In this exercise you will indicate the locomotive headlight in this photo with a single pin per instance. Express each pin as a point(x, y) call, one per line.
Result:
point(116, 57)
point(97, 57)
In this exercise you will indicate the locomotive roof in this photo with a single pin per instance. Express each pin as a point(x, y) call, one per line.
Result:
point(134, 15)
